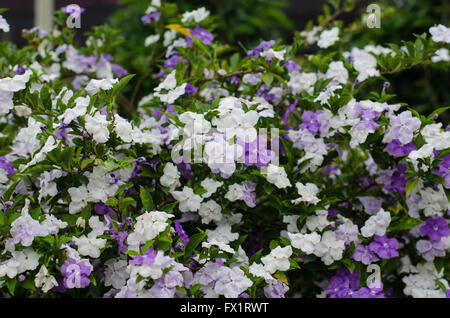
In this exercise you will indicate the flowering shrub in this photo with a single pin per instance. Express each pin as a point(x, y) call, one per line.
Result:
point(261, 174)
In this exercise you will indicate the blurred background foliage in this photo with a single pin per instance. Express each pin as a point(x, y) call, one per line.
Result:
point(247, 22)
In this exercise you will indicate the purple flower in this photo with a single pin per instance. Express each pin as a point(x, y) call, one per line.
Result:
point(429, 250)
point(371, 205)
point(264, 45)
point(5, 164)
point(384, 247)
point(292, 66)
point(76, 274)
point(101, 208)
point(148, 18)
point(189, 89)
point(403, 127)
point(172, 61)
point(118, 70)
point(277, 290)
point(310, 122)
point(256, 152)
point(20, 70)
point(444, 170)
point(184, 237)
point(74, 10)
point(148, 258)
point(364, 254)
point(435, 227)
point(368, 118)
point(399, 150)
point(343, 284)
point(249, 196)
point(202, 34)
point(375, 290)
point(289, 111)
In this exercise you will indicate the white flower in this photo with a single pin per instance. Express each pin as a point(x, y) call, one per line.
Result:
point(79, 199)
point(441, 55)
point(189, 201)
point(232, 282)
point(210, 211)
point(21, 110)
point(440, 33)
point(169, 84)
point(169, 36)
point(328, 92)
point(311, 36)
point(116, 273)
point(6, 102)
point(278, 259)
point(364, 63)
point(277, 175)
point(147, 227)
point(433, 202)
point(98, 227)
point(252, 78)
point(260, 270)
point(154, 270)
point(151, 39)
point(28, 259)
point(238, 123)
point(338, 72)
point(81, 105)
point(211, 186)
point(89, 246)
point(307, 192)
point(171, 176)
point(270, 54)
point(222, 233)
point(44, 280)
point(319, 222)
point(328, 38)
point(329, 249)
point(304, 242)
point(235, 192)
point(10, 268)
point(221, 156)
point(16, 83)
point(97, 126)
point(376, 224)
point(291, 221)
point(194, 124)
point(3, 24)
point(94, 85)
point(52, 224)
point(302, 81)
point(196, 15)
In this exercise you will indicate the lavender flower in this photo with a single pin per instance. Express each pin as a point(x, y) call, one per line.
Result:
point(76, 274)
point(435, 227)
point(384, 247)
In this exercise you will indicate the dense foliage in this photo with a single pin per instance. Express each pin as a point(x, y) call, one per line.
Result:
point(239, 173)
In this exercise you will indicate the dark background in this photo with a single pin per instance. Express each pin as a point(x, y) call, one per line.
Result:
point(21, 15)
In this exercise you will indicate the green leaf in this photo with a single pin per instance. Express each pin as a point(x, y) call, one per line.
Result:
point(404, 223)
point(438, 111)
point(131, 252)
point(122, 83)
point(410, 186)
point(267, 78)
point(194, 241)
point(86, 162)
point(11, 284)
point(66, 157)
point(146, 198)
